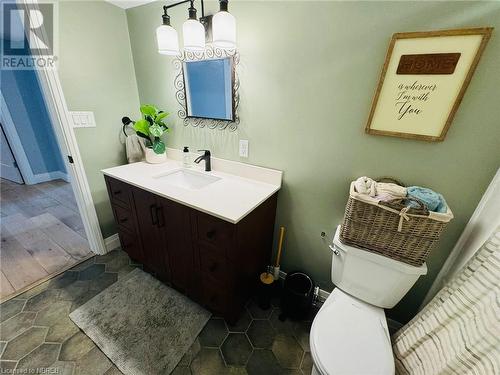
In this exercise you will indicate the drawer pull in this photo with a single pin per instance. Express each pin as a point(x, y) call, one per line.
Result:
point(213, 267)
point(211, 234)
point(117, 192)
point(159, 217)
point(154, 214)
point(124, 220)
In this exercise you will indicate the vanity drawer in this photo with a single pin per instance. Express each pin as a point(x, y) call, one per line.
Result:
point(124, 218)
point(213, 231)
point(119, 192)
point(213, 266)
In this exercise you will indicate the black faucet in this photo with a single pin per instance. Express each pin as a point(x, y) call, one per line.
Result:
point(206, 157)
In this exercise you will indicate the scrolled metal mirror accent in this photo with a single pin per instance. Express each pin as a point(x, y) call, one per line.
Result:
point(180, 86)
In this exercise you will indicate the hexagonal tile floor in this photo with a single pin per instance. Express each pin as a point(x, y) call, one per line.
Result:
point(36, 332)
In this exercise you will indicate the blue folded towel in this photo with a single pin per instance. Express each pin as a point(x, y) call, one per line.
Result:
point(433, 201)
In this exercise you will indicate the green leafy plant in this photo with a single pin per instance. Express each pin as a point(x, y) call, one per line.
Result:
point(151, 127)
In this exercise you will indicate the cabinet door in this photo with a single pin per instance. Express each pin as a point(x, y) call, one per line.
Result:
point(175, 222)
point(154, 248)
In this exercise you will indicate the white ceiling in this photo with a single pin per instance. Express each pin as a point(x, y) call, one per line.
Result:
point(126, 4)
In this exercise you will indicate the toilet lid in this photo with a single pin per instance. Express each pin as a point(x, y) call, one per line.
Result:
point(349, 336)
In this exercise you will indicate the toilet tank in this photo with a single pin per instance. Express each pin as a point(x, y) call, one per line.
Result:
point(370, 277)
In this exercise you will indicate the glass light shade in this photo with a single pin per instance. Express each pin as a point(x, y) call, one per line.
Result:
point(193, 33)
point(168, 41)
point(224, 30)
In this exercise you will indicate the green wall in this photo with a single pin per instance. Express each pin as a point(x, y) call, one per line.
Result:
point(97, 74)
point(308, 72)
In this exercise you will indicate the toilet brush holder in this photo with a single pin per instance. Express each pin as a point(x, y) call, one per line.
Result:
point(265, 290)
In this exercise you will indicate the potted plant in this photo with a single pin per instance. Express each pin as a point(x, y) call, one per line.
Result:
point(151, 127)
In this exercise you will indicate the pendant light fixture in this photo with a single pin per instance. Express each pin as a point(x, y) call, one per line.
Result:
point(166, 37)
point(224, 27)
point(193, 32)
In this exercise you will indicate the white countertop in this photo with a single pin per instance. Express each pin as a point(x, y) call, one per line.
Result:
point(231, 198)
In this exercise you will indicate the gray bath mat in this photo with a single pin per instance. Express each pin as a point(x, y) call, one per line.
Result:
point(142, 325)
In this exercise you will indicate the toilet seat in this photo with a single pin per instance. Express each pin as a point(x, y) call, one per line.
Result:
point(349, 336)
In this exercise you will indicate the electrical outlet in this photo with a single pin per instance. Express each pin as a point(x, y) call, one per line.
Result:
point(243, 148)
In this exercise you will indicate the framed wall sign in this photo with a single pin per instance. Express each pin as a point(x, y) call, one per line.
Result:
point(423, 81)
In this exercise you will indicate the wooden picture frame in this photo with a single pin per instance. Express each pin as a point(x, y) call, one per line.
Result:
point(430, 70)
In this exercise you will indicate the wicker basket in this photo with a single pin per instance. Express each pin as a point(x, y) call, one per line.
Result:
point(391, 228)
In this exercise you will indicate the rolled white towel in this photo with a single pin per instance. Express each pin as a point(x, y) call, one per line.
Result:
point(365, 185)
point(387, 188)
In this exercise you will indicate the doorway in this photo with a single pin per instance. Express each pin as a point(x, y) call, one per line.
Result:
point(42, 230)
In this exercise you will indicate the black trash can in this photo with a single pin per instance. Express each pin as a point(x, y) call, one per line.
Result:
point(297, 296)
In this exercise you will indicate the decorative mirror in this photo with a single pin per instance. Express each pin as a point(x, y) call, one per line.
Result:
point(207, 88)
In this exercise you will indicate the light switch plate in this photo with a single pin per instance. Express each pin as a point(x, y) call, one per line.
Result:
point(83, 119)
point(244, 148)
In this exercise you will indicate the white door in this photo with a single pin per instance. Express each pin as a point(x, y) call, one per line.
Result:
point(9, 169)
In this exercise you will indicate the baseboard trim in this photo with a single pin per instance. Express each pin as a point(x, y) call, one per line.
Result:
point(49, 176)
point(112, 242)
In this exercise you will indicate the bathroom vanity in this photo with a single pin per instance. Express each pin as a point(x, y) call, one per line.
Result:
point(207, 234)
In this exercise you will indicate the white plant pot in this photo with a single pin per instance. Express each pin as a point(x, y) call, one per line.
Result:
point(154, 158)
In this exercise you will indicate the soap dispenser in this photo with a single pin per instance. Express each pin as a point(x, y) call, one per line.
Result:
point(186, 159)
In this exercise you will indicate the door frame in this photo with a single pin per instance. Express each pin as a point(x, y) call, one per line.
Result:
point(62, 124)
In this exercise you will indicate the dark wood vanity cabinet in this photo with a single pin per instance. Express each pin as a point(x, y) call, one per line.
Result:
point(214, 262)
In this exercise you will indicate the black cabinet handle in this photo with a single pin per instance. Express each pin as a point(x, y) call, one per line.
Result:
point(160, 217)
point(117, 192)
point(154, 214)
point(213, 267)
point(124, 220)
point(211, 234)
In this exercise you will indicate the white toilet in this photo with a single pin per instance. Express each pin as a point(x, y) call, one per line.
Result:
point(349, 334)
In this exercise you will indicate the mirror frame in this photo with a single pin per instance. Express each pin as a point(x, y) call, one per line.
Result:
point(210, 53)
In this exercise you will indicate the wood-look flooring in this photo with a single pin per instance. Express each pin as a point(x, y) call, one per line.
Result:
point(42, 234)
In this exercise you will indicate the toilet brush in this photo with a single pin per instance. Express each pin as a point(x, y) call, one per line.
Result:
point(276, 268)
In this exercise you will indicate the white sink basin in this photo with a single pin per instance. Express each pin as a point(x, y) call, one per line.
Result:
point(188, 179)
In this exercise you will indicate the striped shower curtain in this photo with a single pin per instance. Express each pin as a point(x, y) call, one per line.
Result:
point(458, 332)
